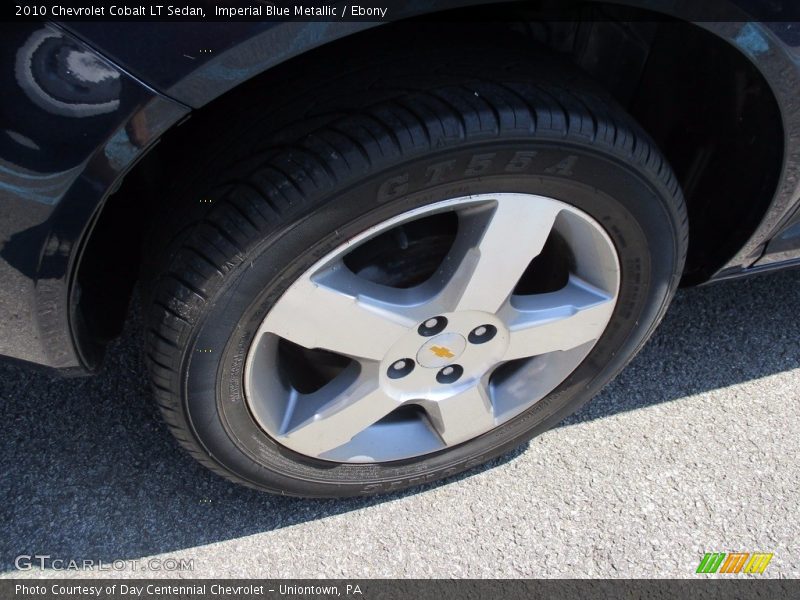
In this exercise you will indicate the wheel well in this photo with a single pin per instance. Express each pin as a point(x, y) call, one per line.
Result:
point(707, 107)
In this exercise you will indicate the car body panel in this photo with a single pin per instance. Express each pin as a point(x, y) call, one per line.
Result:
point(60, 159)
point(242, 50)
point(60, 155)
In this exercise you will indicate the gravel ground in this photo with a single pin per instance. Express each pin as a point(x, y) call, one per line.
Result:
point(693, 448)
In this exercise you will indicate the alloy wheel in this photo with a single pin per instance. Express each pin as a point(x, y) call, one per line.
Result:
point(419, 369)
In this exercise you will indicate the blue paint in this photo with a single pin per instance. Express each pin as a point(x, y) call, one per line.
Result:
point(120, 151)
point(751, 40)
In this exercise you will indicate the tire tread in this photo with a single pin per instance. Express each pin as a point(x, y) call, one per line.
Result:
point(280, 182)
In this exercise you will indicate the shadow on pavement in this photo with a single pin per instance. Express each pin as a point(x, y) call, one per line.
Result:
point(711, 338)
point(89, 472)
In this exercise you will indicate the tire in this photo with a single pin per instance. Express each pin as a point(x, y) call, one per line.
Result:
point(281, 199)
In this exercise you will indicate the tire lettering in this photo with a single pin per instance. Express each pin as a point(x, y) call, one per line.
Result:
point(418, 480)
point(520, 161)
point(435, 173)
point(563, 167)
point(393, 187)
point(480, 163)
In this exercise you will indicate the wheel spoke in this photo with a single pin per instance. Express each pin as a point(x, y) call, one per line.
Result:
point(560, 320)
point(495, 245)
point(463, 416)
point(331, 417)
point(339, 312)
point(354, 417)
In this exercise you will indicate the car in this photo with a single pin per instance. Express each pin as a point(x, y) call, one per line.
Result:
point(373, 254)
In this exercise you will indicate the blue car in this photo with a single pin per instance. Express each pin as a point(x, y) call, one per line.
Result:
point(373, 252)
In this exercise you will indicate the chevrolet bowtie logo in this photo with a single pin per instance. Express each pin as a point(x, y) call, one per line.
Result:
point(442, 352)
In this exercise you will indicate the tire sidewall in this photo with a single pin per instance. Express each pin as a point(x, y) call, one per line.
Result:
point(626, 200)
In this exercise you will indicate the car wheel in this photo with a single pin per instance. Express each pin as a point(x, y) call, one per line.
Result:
point(413, 286)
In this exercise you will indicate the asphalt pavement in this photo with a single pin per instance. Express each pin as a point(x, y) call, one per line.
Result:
point(693, 449)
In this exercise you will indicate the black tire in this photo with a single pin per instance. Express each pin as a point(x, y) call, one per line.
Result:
point(324, 177)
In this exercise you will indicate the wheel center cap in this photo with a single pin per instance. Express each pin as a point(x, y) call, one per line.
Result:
point(441, 350)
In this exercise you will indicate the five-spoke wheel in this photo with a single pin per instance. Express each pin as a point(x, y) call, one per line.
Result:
point(409, 271)
point(437, 347)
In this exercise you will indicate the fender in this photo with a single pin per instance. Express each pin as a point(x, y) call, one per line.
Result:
point(73, 125)
point(243, 50)
point(60, 185)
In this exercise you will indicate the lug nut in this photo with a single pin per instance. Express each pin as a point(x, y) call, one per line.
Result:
point(482, 334)
point(400, 368)
point(449, 374)
point(432, 326)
